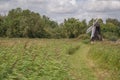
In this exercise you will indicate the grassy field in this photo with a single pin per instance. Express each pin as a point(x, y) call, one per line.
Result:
point(58, 59)
point(107, 57)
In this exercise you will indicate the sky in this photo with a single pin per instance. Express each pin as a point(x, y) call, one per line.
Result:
point(59, 10)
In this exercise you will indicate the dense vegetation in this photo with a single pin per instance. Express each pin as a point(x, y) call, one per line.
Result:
point(58, 59)
point(28, 59)
point(25, 23)
point(107, 56)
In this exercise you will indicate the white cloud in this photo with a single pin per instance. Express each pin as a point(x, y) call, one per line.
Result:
point(60, 9)
point(62, 6)
point(102, 5)
point(73, 2)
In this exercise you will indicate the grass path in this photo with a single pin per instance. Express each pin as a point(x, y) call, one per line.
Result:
point(83, 68)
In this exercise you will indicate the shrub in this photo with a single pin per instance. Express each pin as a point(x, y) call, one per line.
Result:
point(83, 36)
point(110, 36)
point(72, 50)
point(113, 38)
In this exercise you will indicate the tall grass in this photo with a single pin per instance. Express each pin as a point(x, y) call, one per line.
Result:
point(34, 59)
point(107, 56)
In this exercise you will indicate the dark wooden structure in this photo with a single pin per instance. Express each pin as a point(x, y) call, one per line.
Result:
point(97, 33)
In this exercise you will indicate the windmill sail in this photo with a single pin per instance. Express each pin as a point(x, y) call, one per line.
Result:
point(91, 27)
point(93, 31)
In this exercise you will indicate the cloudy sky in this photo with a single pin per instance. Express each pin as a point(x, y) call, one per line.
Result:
point(59, 9)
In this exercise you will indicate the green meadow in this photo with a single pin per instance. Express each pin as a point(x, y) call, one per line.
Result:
point(58, 59)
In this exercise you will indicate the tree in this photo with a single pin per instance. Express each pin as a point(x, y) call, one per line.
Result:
point(109, 30)
point(113, 21)
point(2, 26)
point(73, 27)
point(25, 23)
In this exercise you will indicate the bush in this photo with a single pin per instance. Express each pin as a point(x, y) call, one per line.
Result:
point(83, 36)
point(113, 38)
point(110, 36)
point(72, 50)
point(86, 41)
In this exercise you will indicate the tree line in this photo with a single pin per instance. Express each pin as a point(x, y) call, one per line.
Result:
point(25, 23)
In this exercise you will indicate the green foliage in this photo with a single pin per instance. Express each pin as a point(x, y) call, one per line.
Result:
point(107, 56)
point(27, 59)
point(72, 49)
point(118, 31)
point(113, 21)
point(73, 27)
point(25, 23)
point(113, 38)
point(83, 36)
point(87, 41)
point(48, 59)
point(110, 30)
point(110, 36)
